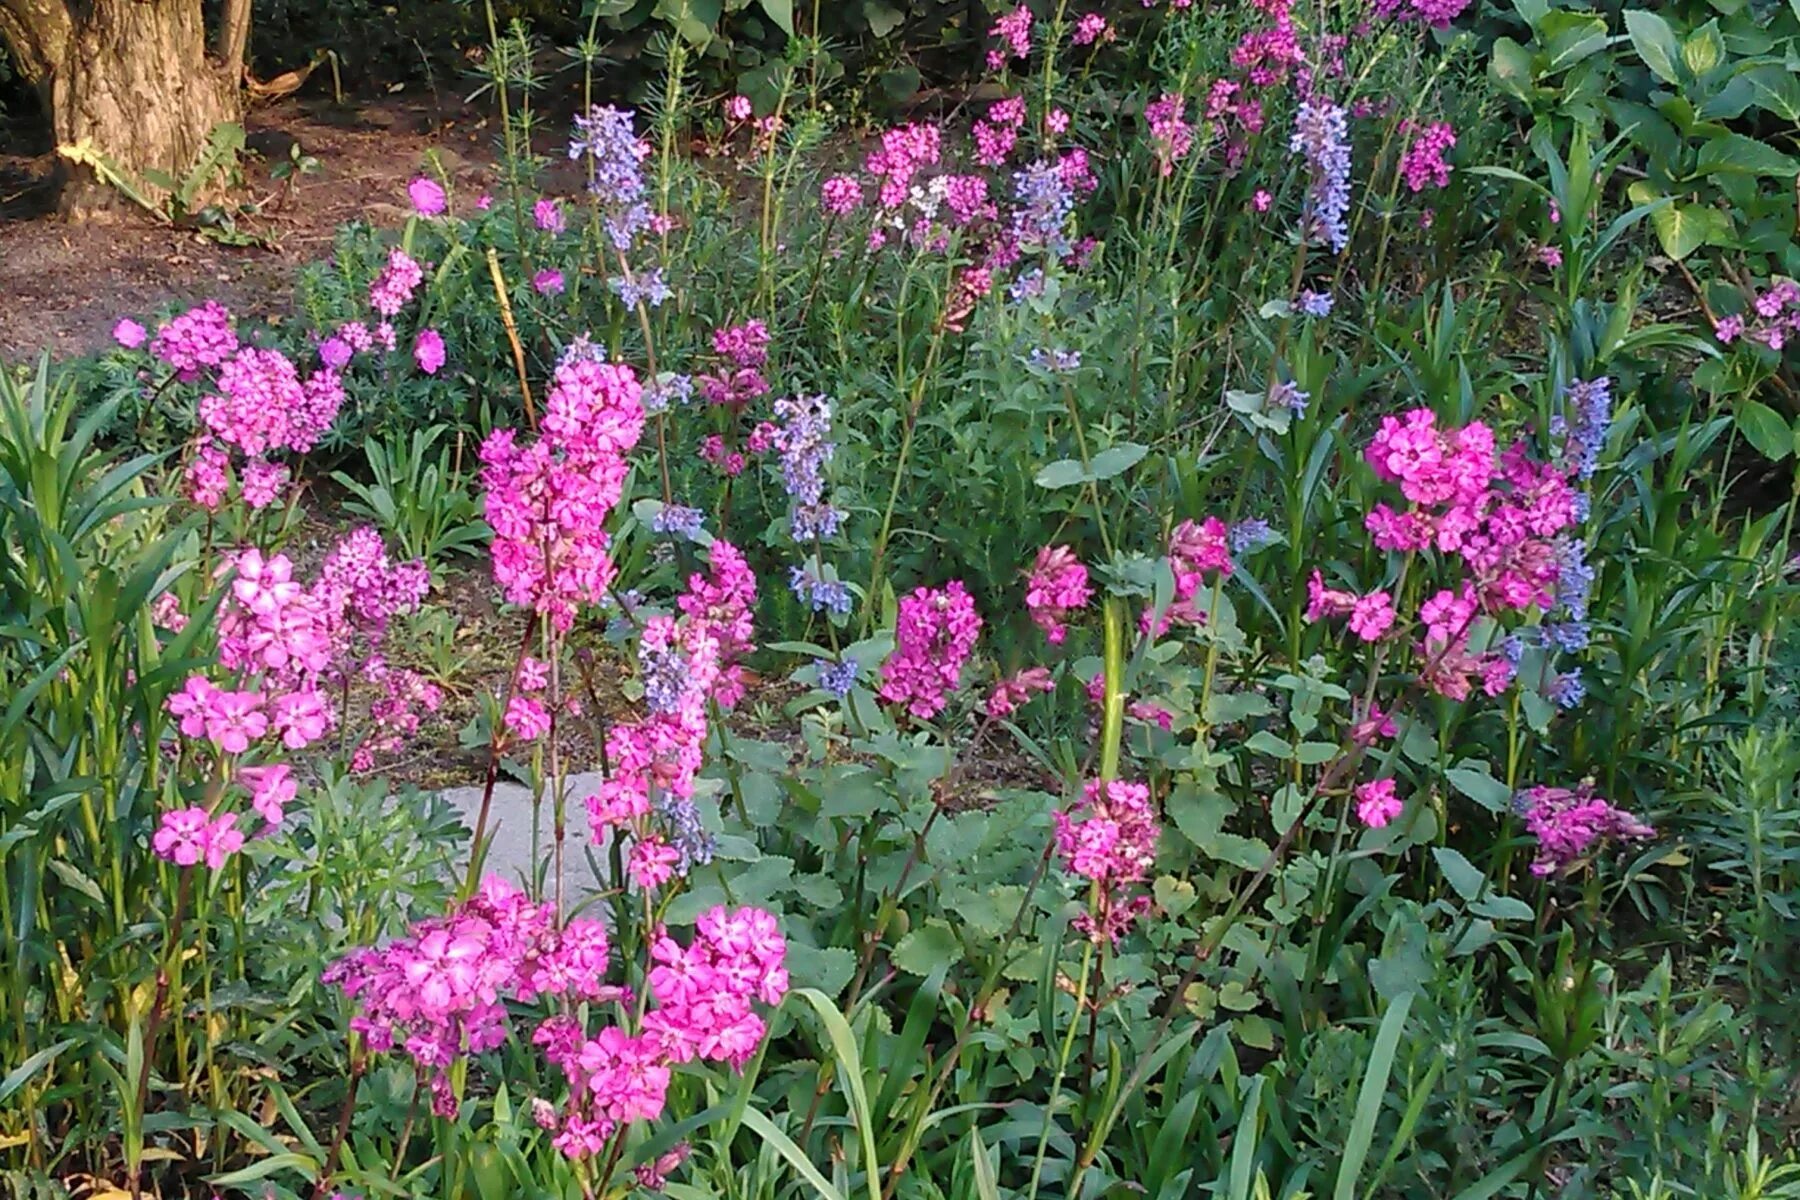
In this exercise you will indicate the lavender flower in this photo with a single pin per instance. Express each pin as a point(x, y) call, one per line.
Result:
point(1315, 304)
point(648, 288)
point(606, 138)
point(681, 818)
point(665, 390)
point(837, 678)
point(824, 595)
point(1567, 690)
point(1322, 135)
point(1289, 395)
point(1568, 636)
point(1058, 360)
point(678, 519)
point(1574, 577)
point(664, 670)
point(803, 441)
point(1583, 424)
point(1251, 534)
point(1040, 222)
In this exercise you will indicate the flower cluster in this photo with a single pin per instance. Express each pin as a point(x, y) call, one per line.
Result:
point(1505, 517)
point(1423, 163)
point(199, 338)
point(1774, 317)
point(744, 350)
point(1170, 134)
point(1013, 31)
point(1057, 586)
point(904, 151)
point(439, 994)
point(1567, 822)
point(934, 633)
point(608, 146)
point(548, 502)
point(1196, 551)
point(1110, 839)
point(706, 996)
point(1436, 13)
point(1322, 136)
point(1015, 690)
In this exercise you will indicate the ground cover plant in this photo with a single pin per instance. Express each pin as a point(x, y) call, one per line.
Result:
point(1214, 623)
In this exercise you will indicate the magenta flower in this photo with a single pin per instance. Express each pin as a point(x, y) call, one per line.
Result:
point(428, 351)
point(129, 334)
point(1377, 802)
point(840, 195)
point(548, 282)
point(1016, 690)
point(1058, 585)
point(934, 633)
point(427, 195)
point(1423, 163)
point(548, 214)
point(739, 108)
point(1372, 615)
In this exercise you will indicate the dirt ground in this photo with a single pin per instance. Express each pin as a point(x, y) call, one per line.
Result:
point(63, 286)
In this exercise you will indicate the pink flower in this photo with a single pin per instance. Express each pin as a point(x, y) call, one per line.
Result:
point(1377, 802)
point(129, 334)
point(1550, 256)
point(1261, 200)
point(393, 289)
point(1423, 163)
point(526, 718)
point(1058, 585)
point(272, 789)
point(548, 215)
point(840, 195)
point(1371, 616)
point(1013, 31)
point(1110, 837)
point(1567, 823)
point(427, 194)
point(739, 108)
point(548, 282)
point(1091, 28)
point(428, 351)
point(1016, 690)
point(1057, 121)
point(189, 836)
point(934, 633)
point(652, 863)
point(1170, 133)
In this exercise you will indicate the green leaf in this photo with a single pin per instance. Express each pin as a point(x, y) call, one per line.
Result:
point(883, 18)
point(1118, 459)
point(1775, 89)
point(1684, 228)
point(1576, 38)
point(1479, 786)
point(20, 1075)
point(1765, 429)
point(262, 1168)
point(1704, 49)
point(1465, 879)
point(1368, 1100)
point(850, 1079)
point(1654, 40)
point(928, 947)
point(828, 969)
point(1064, 472)
point(782, 13)
point(1510, 69)
point(1502, 908)
point(1735, 154)
point(783, 1145)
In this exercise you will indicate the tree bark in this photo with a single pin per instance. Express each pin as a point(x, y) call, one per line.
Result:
point(131, 77)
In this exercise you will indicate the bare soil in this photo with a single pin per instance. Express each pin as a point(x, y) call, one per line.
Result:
point(63, 286)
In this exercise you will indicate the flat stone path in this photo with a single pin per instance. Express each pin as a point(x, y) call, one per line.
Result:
point(511, 854)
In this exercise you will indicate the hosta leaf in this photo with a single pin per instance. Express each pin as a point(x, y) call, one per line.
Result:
point(1654, 40)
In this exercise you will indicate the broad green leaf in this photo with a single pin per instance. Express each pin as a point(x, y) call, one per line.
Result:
point(1465, 879)
point(1765, 429)
point(1502, 908)
point(1510, 69)
point(1654, 40)
point(1735, 154)
point(1064, 472)
point(1118, 459)
point(1703, 50)
point(1776, 90)
point(928, 947)
point(1479, 786)
point(1576, 37)
point(782, 13)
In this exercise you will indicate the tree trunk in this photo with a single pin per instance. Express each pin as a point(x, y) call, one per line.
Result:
point(132, 78)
